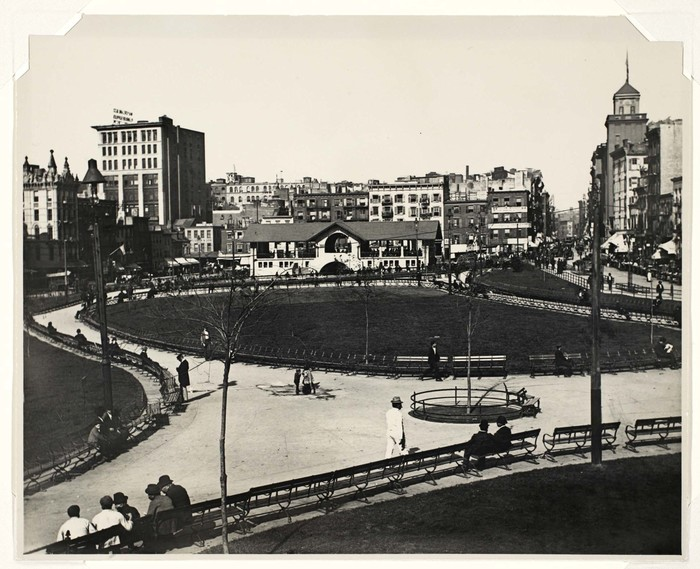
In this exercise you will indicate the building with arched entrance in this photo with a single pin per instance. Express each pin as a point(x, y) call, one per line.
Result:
point(337, 247)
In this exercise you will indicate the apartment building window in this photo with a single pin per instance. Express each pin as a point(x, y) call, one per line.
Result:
point(148, 135)
point(437, 197)
point(437, 211)
point(155, 162)
point(519, 201)
point(128, 150)
point(123, 164)
point(143, 162)
point(123, 136)
point(414, 212)
point(155, 134)
point(456, 222)
point(143, 136)
point(506, 233)
point(399, 198)
point(104, 138)
point(399, 210)
point(412, 198)
point(36, 215)
point(150, 163)
point(375, 198)
point(104, 164)
point(494, 234)
point(506, 199)
point(375, 210)
point(495, 218)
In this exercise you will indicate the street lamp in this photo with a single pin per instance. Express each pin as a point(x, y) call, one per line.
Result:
point(415, 224)
point(92, 178)
point(449, 252)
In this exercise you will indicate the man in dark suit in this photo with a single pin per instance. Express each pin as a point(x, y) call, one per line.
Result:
point(183, 376)
point(178, 495)
point(434, 361)
point(482, 442)
point(501, 438)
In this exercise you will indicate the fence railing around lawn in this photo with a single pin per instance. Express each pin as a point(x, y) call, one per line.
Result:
point(61, 460)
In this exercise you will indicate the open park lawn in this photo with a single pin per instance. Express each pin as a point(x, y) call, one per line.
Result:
point(61, 391)
point(530, 281)
point(401, 321)
point(626, 507)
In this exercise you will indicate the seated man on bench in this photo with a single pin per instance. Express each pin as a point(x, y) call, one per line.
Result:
point(665, 353)
point(481, 443)
point(562, 363)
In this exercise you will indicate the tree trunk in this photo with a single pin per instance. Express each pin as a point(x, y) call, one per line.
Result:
point(469, 360)
point(367, 332)
point(222, 454)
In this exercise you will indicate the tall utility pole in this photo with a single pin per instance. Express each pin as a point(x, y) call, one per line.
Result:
point(596, 400)
point(92, 178)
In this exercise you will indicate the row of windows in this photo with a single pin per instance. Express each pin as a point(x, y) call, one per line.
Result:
point(280, 264)
point(199, 234)
point(505, 201)
point(412, 211)
point(470, 209)
point(508, 233)
point(412, 198)
point(349, 202)
point(130, 164)
point(130, 149)
point(507, 217)
point(130, 136)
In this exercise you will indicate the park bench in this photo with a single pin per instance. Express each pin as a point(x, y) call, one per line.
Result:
point(577, 438)
point(659, 431)
point(480, 365)
point(522, 447)
point(282, 494)
point(410, 365)
point(544, 363)
point(427, 462)
point(358, 478)
point(93, 543)
point(530, 406)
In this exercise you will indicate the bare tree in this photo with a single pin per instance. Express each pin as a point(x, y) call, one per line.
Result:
point(224, 315)
point(366, 292)
point(474, 320)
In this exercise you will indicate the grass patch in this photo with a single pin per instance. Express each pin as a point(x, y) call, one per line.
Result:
point(401, 321)
point(58, 404)
point(628, 507)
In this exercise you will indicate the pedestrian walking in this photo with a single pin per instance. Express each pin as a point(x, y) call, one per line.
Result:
point(610, 280)
point(74, 526)
point(297, 379)
point(434, 361)
point(205, 341)
point(659, 290)
point(183, 376)
point(395, 433)
point(307, 382)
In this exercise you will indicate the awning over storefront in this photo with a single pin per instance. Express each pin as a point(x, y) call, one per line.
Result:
point(617, 241)
point(669, 247)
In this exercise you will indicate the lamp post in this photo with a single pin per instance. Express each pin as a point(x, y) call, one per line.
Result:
point(65, 258)
point(449, 252)
point(92, 178)
point(596, 396)
point(415, 224)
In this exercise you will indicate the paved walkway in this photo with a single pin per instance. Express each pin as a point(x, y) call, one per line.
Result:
point(274, 435)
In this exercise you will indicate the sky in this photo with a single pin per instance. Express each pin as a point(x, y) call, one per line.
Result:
point(350, 98)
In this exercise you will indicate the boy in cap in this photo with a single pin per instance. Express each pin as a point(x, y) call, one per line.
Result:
point(74, 526)
point(395, 434)
point(126, 509)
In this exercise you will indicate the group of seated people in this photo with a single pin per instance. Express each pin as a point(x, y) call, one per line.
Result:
point(107, 435)
point(163, 496)
point(483, 442)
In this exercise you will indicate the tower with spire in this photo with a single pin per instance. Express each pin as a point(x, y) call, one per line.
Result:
point(626, 124)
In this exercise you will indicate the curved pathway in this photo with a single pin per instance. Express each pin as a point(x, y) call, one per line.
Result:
point(274, 435)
